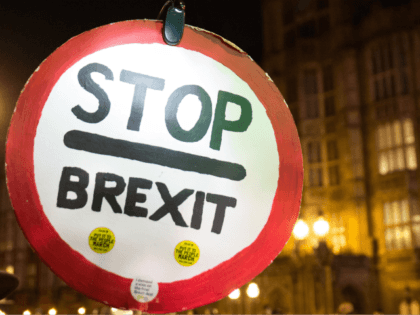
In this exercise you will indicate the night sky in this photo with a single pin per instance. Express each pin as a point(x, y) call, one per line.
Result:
point(32, 30)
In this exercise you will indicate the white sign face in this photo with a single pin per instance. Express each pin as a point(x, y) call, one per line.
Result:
point(135, 153)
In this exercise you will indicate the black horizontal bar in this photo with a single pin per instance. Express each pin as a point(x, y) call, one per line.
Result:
point(93, 143)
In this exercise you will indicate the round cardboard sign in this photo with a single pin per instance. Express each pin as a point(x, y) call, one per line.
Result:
point(149, 176)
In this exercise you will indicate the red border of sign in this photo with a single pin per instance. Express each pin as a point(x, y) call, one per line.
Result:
point(105, 286)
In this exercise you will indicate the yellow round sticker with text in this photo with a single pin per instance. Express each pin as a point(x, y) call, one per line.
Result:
point(101, 240)
point(187, 253)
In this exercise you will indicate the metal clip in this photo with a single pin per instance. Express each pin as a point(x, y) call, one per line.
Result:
point(174, 22)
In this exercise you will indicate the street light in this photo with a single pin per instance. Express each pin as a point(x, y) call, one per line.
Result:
point(52, 311)
point(322, 252)
point(301, 230)
point(253, 291)
point(27, 312)
point(235, 294)
point(81, 310)
point(321, 227)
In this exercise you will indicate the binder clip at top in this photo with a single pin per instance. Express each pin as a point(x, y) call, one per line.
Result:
point(174, 21)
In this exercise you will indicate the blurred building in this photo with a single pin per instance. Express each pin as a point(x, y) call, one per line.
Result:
point(39, 290)
point(349, 71)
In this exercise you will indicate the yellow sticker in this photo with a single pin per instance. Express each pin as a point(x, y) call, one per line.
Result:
point(187, 253)
point(101, 240)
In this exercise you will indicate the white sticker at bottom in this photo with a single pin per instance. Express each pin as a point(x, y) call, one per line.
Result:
point(144, 289)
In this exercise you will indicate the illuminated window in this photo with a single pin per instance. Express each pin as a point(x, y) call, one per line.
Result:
point(337, 233)
point(402, 224)
point(338, 239)
point(396, 146)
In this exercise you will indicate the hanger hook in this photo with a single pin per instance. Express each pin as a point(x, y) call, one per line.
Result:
point(174, 21)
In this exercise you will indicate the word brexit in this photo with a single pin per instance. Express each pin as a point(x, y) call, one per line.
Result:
point(170, 206)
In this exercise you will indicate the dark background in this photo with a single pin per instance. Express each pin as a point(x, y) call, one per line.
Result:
point(31, 30)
